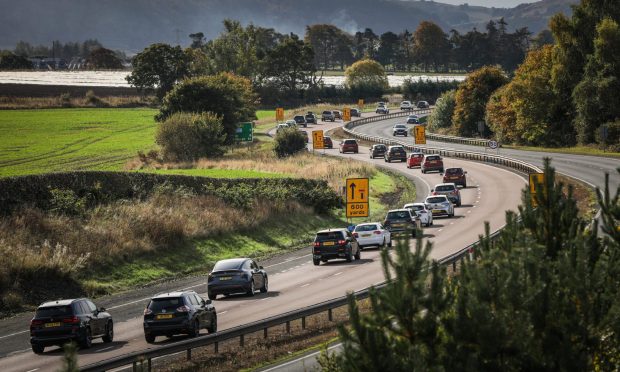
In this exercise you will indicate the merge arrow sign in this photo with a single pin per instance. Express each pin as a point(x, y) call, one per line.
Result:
point(357, 190)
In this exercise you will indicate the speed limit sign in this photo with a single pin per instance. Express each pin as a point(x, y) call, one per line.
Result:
point(493, 145)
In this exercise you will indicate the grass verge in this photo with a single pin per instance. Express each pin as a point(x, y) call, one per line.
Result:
point(577, 150)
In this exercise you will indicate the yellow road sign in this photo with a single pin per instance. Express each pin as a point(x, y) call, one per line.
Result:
point(420, 134)
point(279, 114)
point(317, 139)
point(536, 178)
point(360, 103)
point(357, 210)
point(357, 190)
point(346, 114)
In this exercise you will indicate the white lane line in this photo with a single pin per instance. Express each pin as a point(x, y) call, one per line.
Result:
point(451, 223)
point(469, 211)
point(477, 201)
point(439, 230)
point(305, 285)
point(18, 352)
point(264, 299)
point(32, 370)
point(13, 334)
point(105, 348)
point(336, 274)
point(222, 312)
point(279, 366)
point(288, 260)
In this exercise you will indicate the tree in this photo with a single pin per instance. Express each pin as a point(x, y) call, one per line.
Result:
point(229, 96)
point(289, 142)
point(388, 49)
point(159, 67)
point(431, 46)
point(198, 40)
point(331, 45)
point(290, 64)
point(366, 78)
point(441, 117)
point(471, 99)
point(10, 61)
point(103, 58)
point(188, 136)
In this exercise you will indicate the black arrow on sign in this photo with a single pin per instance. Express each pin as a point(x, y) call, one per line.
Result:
point(352, 191)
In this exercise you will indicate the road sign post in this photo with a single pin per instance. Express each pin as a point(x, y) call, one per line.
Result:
point(357, 191)
point(244, 132)
point(419, 133)
point(536, 178)
point(346, 114)
point(318, 141)
point(279, 114)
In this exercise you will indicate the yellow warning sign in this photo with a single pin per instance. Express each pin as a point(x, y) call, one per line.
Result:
point(346, 114)
point(536, 178)
point(279, 114)
point(357, 190)
point(419, 133)
point(318, 141)
point(357, 210)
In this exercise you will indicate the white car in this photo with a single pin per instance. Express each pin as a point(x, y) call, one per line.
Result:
point(425, 215)
point(439, 205)
point(372, 234)
point(281, 127)
point(384, 110)
point(406, 105)
point(291, 123)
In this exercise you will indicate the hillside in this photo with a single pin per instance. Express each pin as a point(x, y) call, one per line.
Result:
point(131, 25)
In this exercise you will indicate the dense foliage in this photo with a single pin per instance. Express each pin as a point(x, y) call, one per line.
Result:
point(441, 117)
point(288, 142)
point(102, 58)
point(187, 136)
point(544, 296)
point(366, 79)
point(10, 61)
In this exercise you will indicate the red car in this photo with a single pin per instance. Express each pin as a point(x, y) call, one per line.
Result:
point(432, 163)
point(415, 159)
point(456, 176)
point(327, 142)
point(349, 145)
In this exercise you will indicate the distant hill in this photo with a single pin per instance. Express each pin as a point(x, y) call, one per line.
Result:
point(131, 25)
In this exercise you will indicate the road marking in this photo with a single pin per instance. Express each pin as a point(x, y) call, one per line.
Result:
point(469, 211)
point(305, 285)
point(105, 348)
point(222, 312)
point(18, 352)
point(451, 223)
point(288, 260)
point(477, 201)
point(439, 230)
point(266, 298)
point(336, 274)
point(13, 334)
point(32, 370)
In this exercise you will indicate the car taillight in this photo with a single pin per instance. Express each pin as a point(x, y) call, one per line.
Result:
point(435, 193)
point(34, 322)
point(342, 242)
point(317, 244)
point(183, 309)
point(148, 311)
point(377, 232)
point(356, 235)
point(72, 320)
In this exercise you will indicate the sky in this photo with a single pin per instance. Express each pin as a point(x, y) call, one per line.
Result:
point(488, 3)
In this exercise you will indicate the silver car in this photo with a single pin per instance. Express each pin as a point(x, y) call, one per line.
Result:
point(425, 215)
point(439, 205)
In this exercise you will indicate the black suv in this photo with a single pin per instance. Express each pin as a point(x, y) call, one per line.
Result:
point(402, 221)
point(334, 243)
point(310, 118)
point(395, 153)
point(377, 151)
point(175, 313)
point(301, 121)
point(63, 321)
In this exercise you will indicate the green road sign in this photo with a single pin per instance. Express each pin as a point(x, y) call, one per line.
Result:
point(244, 132)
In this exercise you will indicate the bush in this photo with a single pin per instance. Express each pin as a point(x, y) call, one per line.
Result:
point(93, 100)
point(289, 142)
point(613, 136)
point(427, 90)
point(191, 136)
point(444, 109)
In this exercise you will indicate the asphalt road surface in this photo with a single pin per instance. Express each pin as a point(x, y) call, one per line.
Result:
point(294, 281)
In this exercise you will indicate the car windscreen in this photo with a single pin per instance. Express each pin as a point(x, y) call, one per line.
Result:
point(53, 311)
point(400, 127)
point(415, 207)
point(436, 200)
point(331, 235)
point(444, 188)
point(327, 112)
point(433, 157)
point(350, 142)
point(366, 228)
point(454, 171)
point(169, 304)
point(398, 215)
point(416, 155)
point(227, 265)
point(379, 147)
point(298, 118)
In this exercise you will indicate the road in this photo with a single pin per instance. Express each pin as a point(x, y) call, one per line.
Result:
point(294, 281)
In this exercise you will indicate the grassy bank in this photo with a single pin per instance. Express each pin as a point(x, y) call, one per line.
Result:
point(576, 150)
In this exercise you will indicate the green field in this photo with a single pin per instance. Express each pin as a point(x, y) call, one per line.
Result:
point(40, 141)
point(220, 173)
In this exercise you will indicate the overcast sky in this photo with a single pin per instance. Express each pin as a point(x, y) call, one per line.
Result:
point(488, 3)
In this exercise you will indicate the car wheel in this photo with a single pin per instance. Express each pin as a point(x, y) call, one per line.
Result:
point(87, 339)
point(212, 328)
point(358, 255)
point(465, 185)
point(265, 285)
point(390, 243)
point(423, 171)
point(413, 234)
point(109, 333)
point(458, 204)
point(356, 152)
point(195, 331)
point(405, 134)
point(385, 160)
point(38, 348)
point(252, 289)
point(149, 338)
point(350, 256)
point(383, 244)
point(316, 262)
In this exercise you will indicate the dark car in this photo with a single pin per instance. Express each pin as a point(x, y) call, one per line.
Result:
point(310, 118)
point(400, 130)
point(423, 105)
point(356, 113)
point(337, 114)
point(395, 153)
point(327, 142)
point(432, 163)
point(63, 321)
point(237, 275)
point(335, 243)
point(328, 116)
point(301, 121)
point(305, 134)
point(402, 221)
point(174, 313)
point(413, 119)
point(349, 145)
point(456, 176)
point(377, 151)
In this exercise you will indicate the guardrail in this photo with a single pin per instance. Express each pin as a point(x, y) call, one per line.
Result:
point(137, 358)
point(455, 139)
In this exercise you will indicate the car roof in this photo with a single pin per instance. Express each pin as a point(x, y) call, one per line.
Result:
point(394, 146)
point(367, 223)
point(455, 168)
point(332, 230)
point(436, 196)
point(59, 302)
point(173, 294)
point(412, 204)
point(399, 210)
point(446, 184)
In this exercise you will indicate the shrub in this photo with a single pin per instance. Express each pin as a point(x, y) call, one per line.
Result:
point(427, 90)
point(191, 136)
point(289, 142)
point(442, 115)
point(366, 79)
point(93, 100)
point(613, 136)
point(67, 202)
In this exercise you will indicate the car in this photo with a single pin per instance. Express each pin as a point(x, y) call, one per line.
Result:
point(327, 142)
point(291, 123)
point(333, 244)
point(300, 120)
point(349, 145)
point(439, 205)
point(310, 118)
point(423, 105)
point(356, 113)
point(450, 190)
point(174, 313)
point(413, 119)
point(406, 105)
point(395, 152)
point(237, 275)
point(425, 216)
point(337, 114)
point(432, 163)
point(328, 116)
point(377, 151)
point(415, 159)
point(382, 110)
point(381, 104)
point(402, 221)
point(372, 234)
point(72, 320)
point(281, 127)
point(400, 130)
point(456, 176)
point(305, 134)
